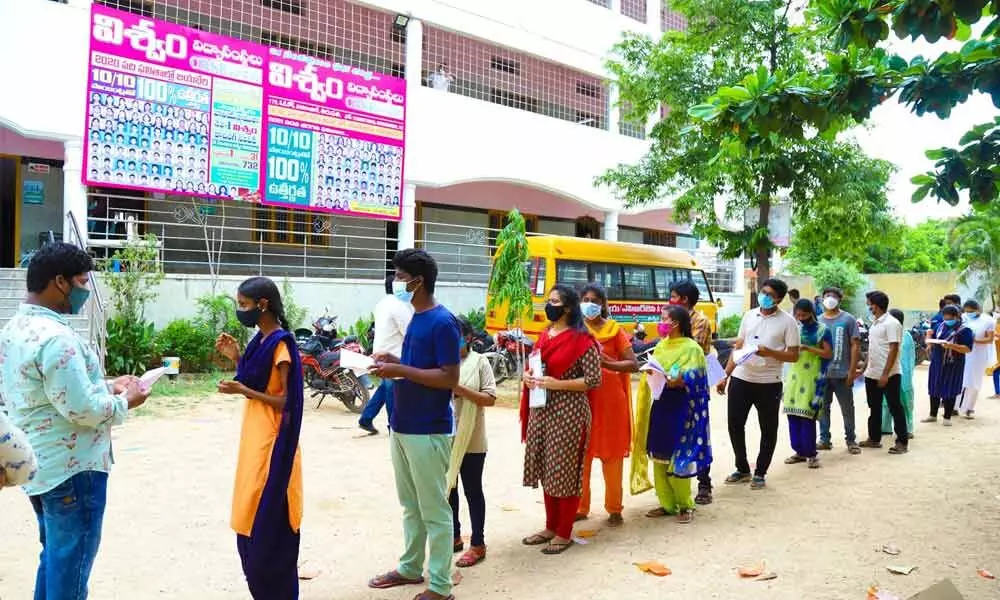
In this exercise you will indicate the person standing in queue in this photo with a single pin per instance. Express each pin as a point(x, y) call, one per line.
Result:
point(556, 435)
point(421, 439)
point(773, 336)
point(883, 374)
point(55, 392)
point(392, 316)
point(685, 293)
point(610, 405)
point(267, 493)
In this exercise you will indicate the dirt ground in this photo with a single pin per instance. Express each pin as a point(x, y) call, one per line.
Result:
point(166, 532)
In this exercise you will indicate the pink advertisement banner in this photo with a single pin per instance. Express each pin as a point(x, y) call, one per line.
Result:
point(176, 110)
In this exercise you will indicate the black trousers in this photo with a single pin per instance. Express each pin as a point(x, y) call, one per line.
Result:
point(766, 398)
point(891, 393)
point(948, 403)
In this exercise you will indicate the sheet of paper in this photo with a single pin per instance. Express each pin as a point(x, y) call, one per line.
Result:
point(656, 382)
point(935, 341)
point(149, 377)
point(744, 354)
point(653, 365)
point(536, 397)
point(359, 363)
point(716, 372)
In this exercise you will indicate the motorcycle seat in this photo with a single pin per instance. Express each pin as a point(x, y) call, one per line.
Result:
point(329, 359)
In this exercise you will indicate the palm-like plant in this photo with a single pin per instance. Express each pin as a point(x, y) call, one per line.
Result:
point(976, 241)
point(508, 287)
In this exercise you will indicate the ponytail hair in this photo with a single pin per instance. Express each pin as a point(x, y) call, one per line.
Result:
point(262, 288)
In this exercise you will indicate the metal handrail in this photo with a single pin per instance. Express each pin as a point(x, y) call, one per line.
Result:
point(96, 311)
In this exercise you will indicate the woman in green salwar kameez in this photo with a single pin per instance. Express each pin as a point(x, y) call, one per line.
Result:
point(907, 361)
point(804, 384)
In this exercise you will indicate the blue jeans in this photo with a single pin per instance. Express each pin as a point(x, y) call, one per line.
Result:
point(844, 390)
point(384, 395)
point(996, 381)
point(69, 527)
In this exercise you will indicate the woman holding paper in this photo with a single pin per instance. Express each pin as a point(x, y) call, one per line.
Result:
point(267, 496)
point(671, 419)
point(610, 405)
point(477, 388)
point(950, 342)
point(805, 384)
point(556, 433)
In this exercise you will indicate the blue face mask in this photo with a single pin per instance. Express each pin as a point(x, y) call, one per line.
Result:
point(399, 290)
point(590, 310)
point(972, 316)
point(766, 302)
point(77, 299)
point(951, 322)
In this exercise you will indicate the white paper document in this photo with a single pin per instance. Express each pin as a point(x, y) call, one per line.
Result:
point(536, 397)
point(656, 377)
point(716, 372)
point(149, 377)
point(359, 363)
point(744, 354)
point(936, 341)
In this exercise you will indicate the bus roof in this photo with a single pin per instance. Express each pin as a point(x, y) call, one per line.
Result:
point(606, 251)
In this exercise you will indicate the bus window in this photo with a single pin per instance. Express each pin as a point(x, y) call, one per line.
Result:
point(639, 283)
point(666, 276)
point(572, 273)
point(609, 277)
point(536, 276)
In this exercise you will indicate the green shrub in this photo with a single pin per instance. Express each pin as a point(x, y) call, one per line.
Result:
point(190, 340)
point(730, 327)
point(476, 318)
point(218, 314)
point(837, 273)
point(131, 346)
point(295, 314)
point(360, 329)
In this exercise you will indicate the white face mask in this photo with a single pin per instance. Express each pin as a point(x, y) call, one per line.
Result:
point(830, 302)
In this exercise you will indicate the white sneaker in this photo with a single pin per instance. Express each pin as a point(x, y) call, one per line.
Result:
point(947, 422)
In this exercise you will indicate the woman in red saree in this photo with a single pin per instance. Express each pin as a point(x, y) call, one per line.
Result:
point(556, 435)
point(610, 405)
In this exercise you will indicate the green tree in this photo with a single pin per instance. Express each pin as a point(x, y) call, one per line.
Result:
point(823, 96)
point(922, 248)
point(837, 273)
point(976, 242)
point(508, 289)
point(695, 163)
point(132, 275)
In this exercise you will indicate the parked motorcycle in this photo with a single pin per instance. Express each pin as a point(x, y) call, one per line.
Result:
point(505, 354)
point(919, 334)
point(321, 369)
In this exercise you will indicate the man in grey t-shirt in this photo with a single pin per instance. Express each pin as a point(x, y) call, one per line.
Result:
point(842, 370)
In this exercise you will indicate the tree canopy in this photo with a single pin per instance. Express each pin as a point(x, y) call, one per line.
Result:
point(697, 161)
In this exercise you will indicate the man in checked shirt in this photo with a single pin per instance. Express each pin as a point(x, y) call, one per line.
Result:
point(685, 293)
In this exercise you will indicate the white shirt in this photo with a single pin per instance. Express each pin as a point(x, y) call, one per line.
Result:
point(776, 331)
point(440, 81)
point(392, 318)
point(884, 331)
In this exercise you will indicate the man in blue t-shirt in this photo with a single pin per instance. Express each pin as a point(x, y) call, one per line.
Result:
point(420, 443)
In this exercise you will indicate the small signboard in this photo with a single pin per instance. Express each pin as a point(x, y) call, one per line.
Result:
point(39, 168)
point(33, 191)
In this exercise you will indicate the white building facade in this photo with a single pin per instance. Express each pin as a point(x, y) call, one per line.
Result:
point(508, 105)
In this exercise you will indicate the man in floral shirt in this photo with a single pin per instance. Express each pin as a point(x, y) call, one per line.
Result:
point(54, 390)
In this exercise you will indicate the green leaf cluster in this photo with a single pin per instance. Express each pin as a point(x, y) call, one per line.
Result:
point(508, 288)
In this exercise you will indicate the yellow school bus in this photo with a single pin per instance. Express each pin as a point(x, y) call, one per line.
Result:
point(637, 279)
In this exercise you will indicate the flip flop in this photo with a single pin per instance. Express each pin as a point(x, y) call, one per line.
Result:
point(536, 540)
point(553, 549)
point(392, 579)
point(472, 557)
point(427, 596)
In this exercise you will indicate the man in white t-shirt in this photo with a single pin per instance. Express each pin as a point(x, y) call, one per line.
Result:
point(883, 374)
point(773, 335)
point(441, 79)
point(392, 318)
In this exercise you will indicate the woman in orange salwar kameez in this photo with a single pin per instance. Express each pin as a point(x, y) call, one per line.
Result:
point(610, 405)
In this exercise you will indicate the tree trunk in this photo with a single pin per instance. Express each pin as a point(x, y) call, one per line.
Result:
point(762, 251)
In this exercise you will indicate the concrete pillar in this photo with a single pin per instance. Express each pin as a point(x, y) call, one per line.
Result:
point(653, 8)
point(74, 192)
point(414, 55)
point(611, 226)
point(408, 222)
point(615, 6)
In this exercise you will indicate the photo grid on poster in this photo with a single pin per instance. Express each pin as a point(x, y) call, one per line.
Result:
point(356, 175)
point(135, 142)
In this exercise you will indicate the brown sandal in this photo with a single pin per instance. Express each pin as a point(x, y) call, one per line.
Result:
point(392, 579)
point(553, 548)
point(536, 540)
point(472, 557)
point(685, 516)
point(658, 513)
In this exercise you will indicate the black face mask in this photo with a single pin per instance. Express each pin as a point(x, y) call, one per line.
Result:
point(553, 313)
point(249, 318)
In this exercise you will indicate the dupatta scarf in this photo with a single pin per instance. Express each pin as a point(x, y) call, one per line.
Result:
point(469, 379)
point(693, 453)
point(559, 354)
